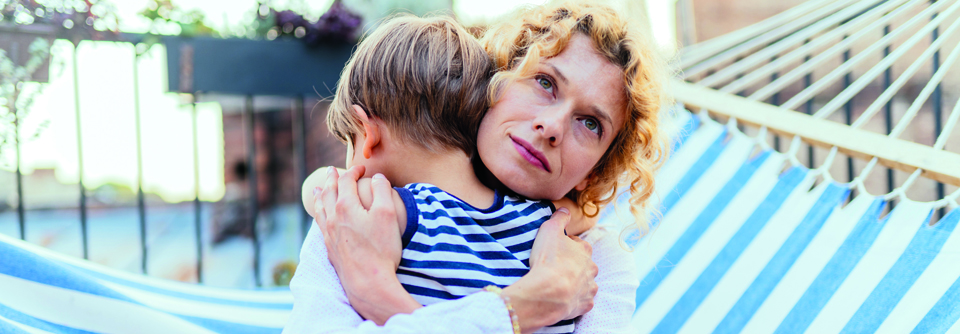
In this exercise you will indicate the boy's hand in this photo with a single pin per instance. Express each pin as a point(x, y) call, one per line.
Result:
point(363, 245)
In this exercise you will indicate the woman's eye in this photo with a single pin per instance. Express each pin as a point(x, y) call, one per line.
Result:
point(545, 84)
point(591, 124)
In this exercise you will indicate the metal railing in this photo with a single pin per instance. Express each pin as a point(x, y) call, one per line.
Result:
point(299, 131)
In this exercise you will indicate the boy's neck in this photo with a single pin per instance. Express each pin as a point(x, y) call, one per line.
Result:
point(450, 170)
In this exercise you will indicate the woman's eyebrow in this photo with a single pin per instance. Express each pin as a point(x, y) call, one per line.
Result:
point(602, 115)
point(558, 73)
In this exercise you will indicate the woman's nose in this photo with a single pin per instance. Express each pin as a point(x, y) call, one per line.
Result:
point(551, 126)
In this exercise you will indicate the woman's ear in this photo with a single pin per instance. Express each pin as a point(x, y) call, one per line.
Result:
point(371, 133)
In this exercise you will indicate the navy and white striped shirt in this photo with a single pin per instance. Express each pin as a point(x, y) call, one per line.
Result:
point(452, 249)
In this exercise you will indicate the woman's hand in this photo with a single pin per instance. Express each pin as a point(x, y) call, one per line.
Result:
point(363, 244)
point(560, 284)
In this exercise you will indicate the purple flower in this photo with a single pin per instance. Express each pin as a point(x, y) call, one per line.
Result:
point(290, 17)
point(338, 23)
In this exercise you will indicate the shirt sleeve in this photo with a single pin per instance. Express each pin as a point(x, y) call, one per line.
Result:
point(320, 304)
point(617, 282)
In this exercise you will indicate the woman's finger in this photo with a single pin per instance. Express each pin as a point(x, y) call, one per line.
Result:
point(329, 193)
point(382, 207)
point(347, 196)
point(556, 223)
point(586, 245)
point(319, 215)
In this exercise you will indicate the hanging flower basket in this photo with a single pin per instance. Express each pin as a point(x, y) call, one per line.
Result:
point(284, 66)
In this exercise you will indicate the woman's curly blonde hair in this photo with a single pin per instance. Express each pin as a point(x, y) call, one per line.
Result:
point(518, 43)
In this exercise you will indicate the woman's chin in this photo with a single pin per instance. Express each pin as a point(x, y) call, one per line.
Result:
point(532, 188)
point(525, 180)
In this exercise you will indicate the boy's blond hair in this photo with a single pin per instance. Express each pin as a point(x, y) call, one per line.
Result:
point(518, 44)
point(425, 78)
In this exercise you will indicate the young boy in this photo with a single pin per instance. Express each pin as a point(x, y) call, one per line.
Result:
point(408, 106)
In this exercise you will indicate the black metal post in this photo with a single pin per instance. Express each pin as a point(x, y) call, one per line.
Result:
point(808, 108)
point(12, 105)
point(937, 104)
point(848, 113)
point(742, 92)
point(775, 100)
point(888, 108)
point(21, 214)
point(83, 192)
point(248, 119)
point(300, 156)
point(141, 205)
point(196, 189)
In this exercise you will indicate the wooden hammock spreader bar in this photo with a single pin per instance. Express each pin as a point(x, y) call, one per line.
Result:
point(895, 153)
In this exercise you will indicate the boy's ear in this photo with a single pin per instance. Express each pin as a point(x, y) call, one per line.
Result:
point(371, 133)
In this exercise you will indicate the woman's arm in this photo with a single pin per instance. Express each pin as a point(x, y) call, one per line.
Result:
point(559, 286)
point(368, 282)
point(617, 280)
point(321, 306)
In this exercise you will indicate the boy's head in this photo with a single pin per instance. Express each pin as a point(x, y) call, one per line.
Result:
point(425, 79)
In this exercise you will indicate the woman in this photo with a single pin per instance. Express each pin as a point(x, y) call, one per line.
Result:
point(546, 82)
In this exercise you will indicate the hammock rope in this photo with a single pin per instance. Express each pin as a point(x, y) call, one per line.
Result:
point(811, 36)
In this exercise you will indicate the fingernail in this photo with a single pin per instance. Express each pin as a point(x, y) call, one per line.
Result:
point(379, 176)
point(316, 190)
point(563, 210)
point(329, 170)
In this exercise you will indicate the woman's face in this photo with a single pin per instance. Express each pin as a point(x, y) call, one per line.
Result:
point(546, 133)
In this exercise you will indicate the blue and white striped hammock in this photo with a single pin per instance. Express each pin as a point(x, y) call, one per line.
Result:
point(746, 246)
point(44, 291)
point(743, 247)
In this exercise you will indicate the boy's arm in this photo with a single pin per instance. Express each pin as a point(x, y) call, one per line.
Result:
point(579, 223)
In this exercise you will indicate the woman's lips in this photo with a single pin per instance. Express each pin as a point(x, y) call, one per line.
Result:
point(530, 153)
